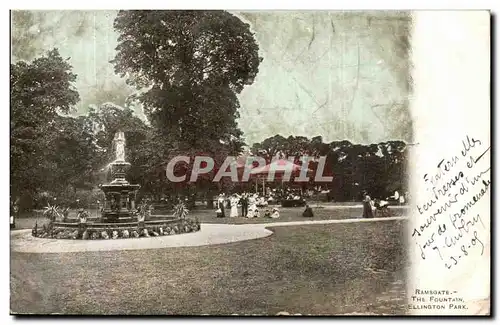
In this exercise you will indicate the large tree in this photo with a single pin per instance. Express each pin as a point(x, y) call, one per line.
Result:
point(40, 89)
point(189, 66)
point(69, 161)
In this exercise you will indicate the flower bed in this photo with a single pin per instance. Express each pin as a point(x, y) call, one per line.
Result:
point(94, 231)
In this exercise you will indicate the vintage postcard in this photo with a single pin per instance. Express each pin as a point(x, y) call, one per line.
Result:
point(277, 163)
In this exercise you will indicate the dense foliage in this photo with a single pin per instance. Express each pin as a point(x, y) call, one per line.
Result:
point(40, 90)
point(379, 169)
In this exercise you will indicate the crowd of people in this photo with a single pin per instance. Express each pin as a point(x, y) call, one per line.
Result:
point(250, 205)
point(292, 195)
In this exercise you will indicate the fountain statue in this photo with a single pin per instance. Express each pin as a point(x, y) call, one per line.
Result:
point(120, 146)
point(120, 195)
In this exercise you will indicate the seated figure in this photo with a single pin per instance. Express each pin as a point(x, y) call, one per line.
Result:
point(275, 214)
point(262, 202)
point(308, 213)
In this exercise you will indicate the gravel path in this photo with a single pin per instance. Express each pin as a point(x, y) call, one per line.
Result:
point(210, 234)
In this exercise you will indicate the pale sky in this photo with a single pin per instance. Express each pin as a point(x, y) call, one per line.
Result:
point(338, 75)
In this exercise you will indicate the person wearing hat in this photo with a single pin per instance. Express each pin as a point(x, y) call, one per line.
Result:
point(220, 206)
point(367, 206)
point(234, 205)
point(253, 212)
point(244, 205)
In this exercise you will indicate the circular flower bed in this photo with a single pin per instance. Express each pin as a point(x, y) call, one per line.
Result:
point(109, 231)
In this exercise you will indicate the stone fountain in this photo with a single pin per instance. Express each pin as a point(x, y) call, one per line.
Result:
point(120, 195)
point(119, 216)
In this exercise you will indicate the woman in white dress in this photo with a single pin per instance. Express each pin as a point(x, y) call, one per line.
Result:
point(252, 206)
point(234, 206)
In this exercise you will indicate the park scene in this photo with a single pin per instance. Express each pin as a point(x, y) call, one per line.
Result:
point(165, 163)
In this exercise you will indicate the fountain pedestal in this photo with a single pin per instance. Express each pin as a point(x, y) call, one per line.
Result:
point(119, 202)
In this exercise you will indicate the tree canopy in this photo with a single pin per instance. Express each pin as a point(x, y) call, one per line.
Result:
point(40, 89)
point(185, 48)
point(378, 168)
point(189, 66)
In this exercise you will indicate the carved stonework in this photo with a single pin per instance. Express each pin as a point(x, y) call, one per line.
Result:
point(119, 171)
point(119, 194)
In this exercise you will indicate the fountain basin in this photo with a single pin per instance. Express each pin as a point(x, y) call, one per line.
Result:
point(104, 230)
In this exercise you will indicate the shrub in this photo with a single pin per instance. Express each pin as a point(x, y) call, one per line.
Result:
point(86, 198)
point(52, 212)
point(180, 211)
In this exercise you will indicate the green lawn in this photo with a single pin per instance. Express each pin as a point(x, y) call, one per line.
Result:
point(320, 269)
point(293, 214)
point(208, 216)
